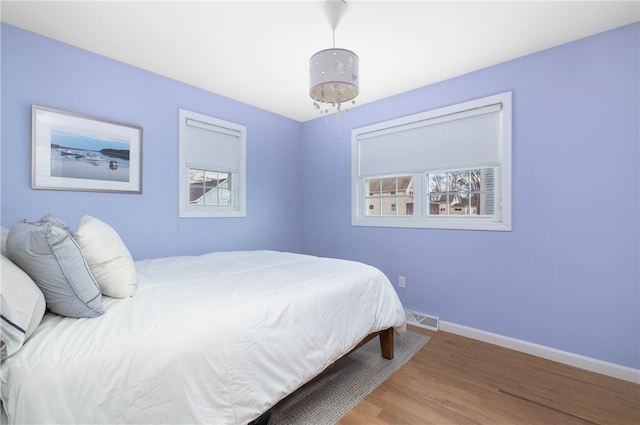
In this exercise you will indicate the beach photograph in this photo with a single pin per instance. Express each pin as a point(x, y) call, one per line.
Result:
point(84, 157)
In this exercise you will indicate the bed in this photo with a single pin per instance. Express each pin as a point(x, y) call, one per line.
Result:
point(215, 338)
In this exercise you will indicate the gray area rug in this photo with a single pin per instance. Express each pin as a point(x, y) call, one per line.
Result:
point(329, 397)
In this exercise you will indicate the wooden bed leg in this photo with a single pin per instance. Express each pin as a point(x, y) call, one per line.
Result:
point(386, 343)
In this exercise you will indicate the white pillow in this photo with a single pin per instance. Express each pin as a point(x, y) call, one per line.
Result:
point(22, 307)
point(109, 259)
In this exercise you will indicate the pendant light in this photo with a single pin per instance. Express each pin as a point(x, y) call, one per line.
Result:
point(333, 72)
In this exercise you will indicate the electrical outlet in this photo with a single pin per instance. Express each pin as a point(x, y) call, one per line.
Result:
point(401, 281)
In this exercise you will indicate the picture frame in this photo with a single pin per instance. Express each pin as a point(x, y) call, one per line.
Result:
point(72, 151)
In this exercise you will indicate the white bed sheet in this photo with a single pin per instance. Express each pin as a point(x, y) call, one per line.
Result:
point(217, 338)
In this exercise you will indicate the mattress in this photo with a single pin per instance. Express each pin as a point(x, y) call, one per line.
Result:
point(217, 338)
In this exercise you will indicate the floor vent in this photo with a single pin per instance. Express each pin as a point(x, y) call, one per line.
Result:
point(423, 321)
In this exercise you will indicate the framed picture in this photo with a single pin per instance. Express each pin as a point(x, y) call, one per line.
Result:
point(77, 152)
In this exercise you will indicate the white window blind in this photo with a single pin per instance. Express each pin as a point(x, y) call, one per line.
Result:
point(212, 147)
point(458, 140)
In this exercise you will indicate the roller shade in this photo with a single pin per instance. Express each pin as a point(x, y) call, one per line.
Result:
point(212, 147)
point(459, 140)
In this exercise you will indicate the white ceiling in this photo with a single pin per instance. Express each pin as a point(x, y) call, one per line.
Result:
point(258, 52)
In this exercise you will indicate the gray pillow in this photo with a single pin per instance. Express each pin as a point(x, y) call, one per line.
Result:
point(47, 252)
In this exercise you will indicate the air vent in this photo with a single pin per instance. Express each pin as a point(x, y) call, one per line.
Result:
point(422, 320)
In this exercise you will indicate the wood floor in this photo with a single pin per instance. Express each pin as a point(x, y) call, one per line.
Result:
point(457, 380)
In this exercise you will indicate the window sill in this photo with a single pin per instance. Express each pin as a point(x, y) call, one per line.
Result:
point(434, 223)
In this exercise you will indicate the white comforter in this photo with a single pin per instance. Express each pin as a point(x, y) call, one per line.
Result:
point(216, 339)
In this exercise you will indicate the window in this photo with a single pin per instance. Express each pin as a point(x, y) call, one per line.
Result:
point(212, 167)
point(462, 192)
point(385, 195)
point(209, 187)
point(448, 168)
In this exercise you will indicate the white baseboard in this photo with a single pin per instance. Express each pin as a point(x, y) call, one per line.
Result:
point(576, 360)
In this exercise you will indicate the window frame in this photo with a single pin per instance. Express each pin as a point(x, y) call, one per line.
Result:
point(500, 221)
point(237, 208)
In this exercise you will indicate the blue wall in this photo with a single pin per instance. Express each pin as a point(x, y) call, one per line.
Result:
point(566, 277)
point(38, 70)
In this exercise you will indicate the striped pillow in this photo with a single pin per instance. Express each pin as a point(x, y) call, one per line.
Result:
point(22, 307)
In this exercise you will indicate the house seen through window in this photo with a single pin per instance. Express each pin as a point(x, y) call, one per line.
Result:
point(463, 192)
point(209, 187)
point(390, 196)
